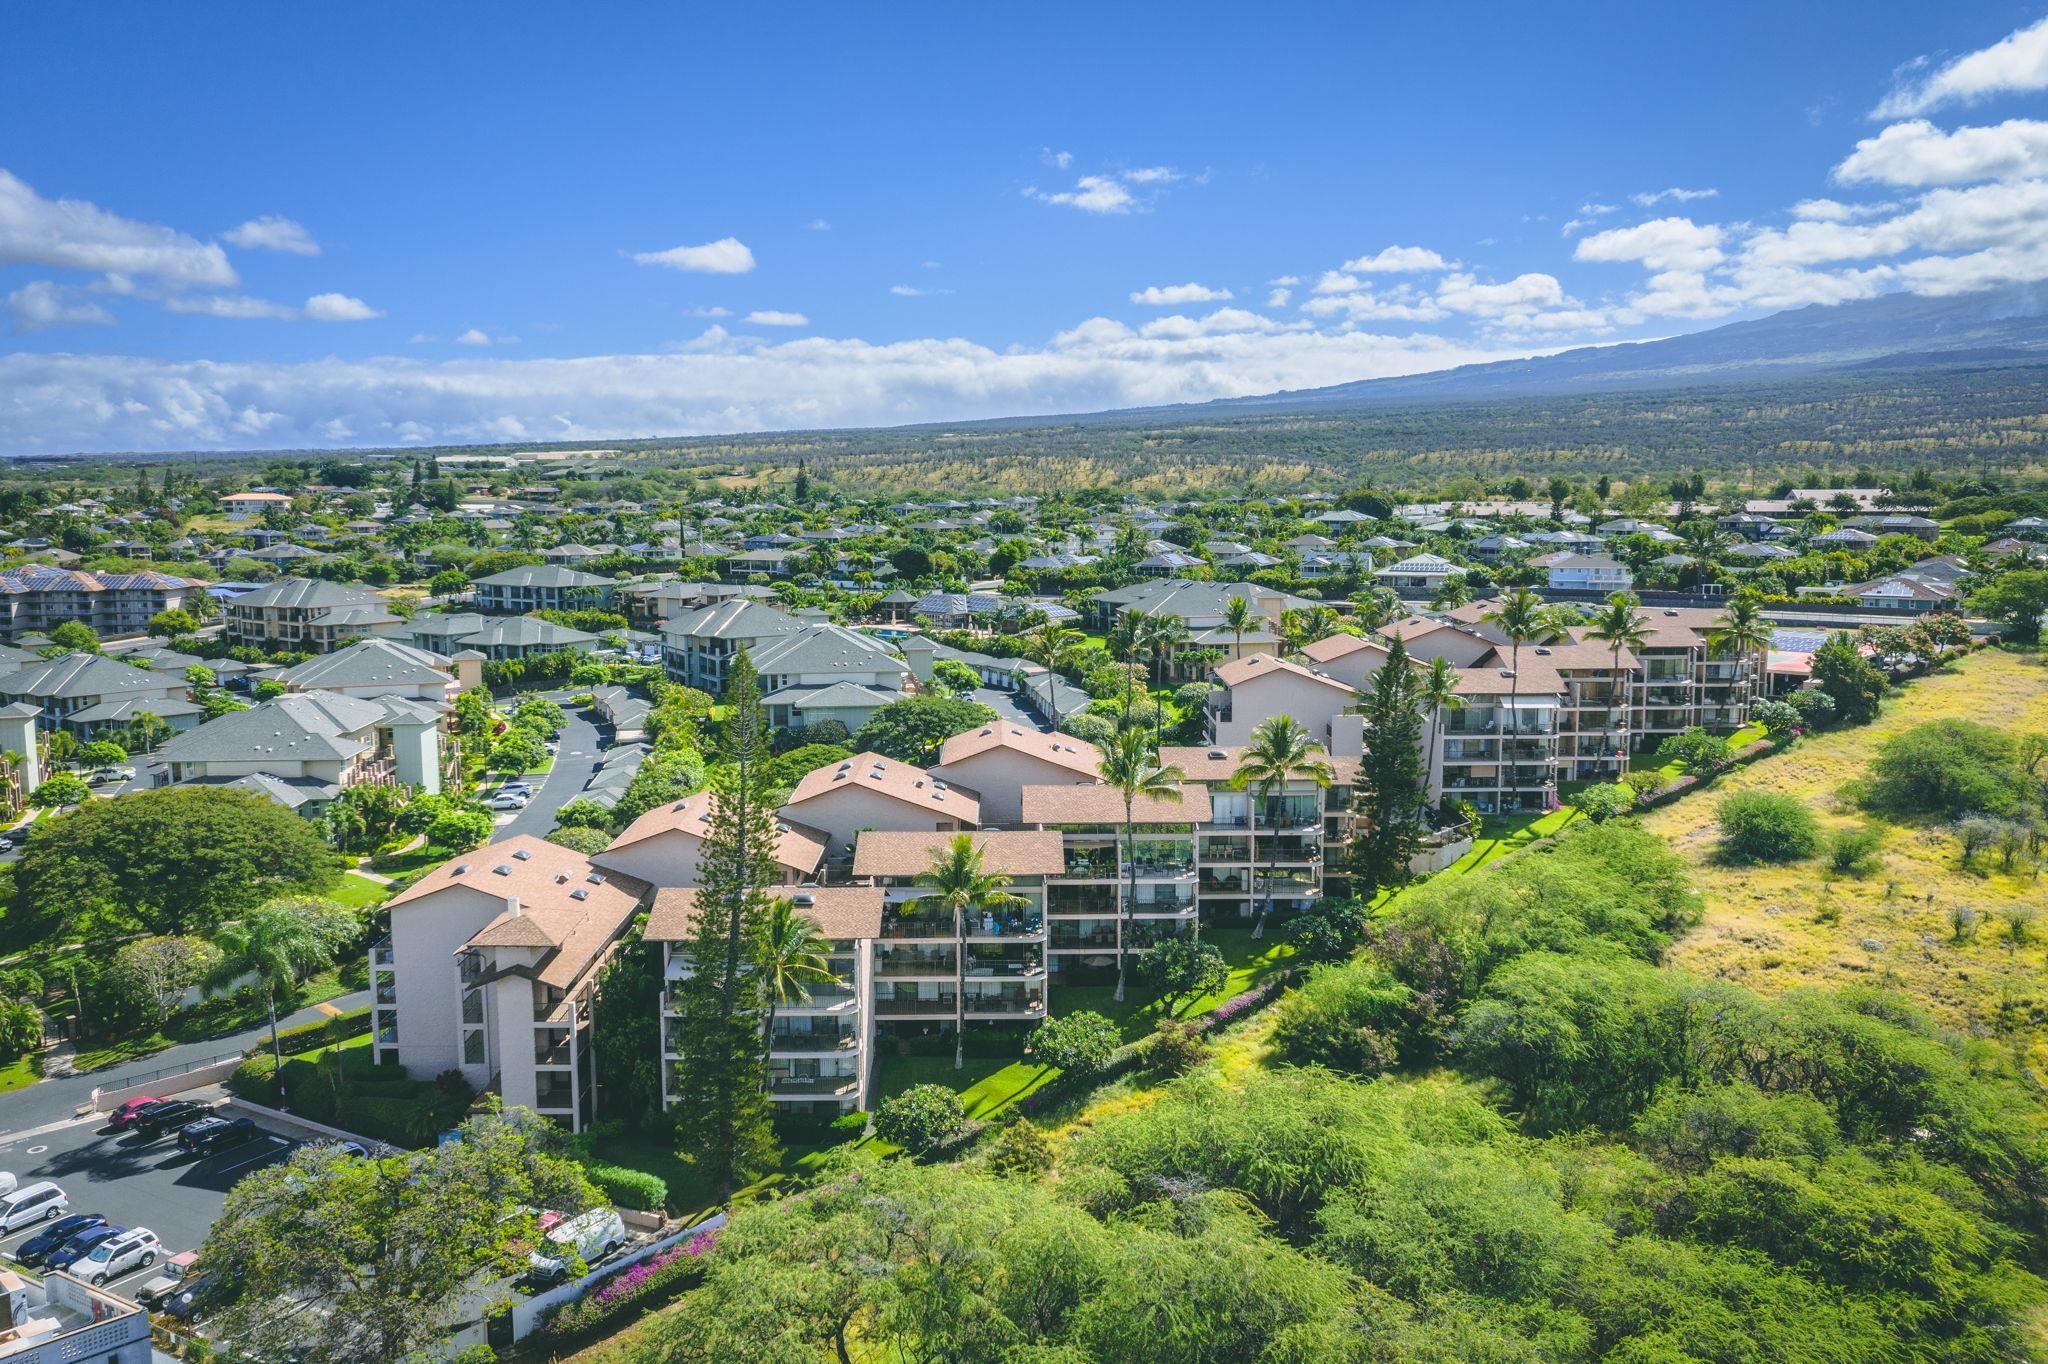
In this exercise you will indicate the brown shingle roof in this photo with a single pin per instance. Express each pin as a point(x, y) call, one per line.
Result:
point(1339, 646)
point(840, 911)
point(1219, 765)
point(797, 846)
point(1062, 750)
point(1105, 805)
point(1239, 671)
point(1004, 852)
point(900, 781)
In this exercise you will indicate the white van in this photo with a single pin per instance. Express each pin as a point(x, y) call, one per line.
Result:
point(8, 1183)
point(591, 1235)
point(38, 1202)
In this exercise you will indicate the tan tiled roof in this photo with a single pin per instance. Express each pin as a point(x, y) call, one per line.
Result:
point(798, 846)
point(1340, 646)
point(1004, 852)
point(899, 781)
point(840, 911)
point(1536, 678)
point(1062, 750)
point(1218, 765)
point(1105, 805)
point(1239, 671)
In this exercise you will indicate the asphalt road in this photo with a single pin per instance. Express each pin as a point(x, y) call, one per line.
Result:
point(135, 1184)
point(582, 744)
point(55, 1100)
point(1008, 707)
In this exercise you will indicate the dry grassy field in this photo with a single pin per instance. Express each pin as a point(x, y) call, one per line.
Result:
point(1771, 928)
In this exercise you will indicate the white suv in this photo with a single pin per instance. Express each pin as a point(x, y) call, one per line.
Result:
point(116, 1255)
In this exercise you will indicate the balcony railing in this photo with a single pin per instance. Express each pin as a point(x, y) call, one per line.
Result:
point(1092, 864)
point(381, 953)
point(897, 925)
point(1066, 937)
point(1005, 1004)
point(813, 1087)
point(1015, 924)
point(889, 1006)
point(1019, 968)
point(1223, 883)
point(809, 1042)
point(900, 963)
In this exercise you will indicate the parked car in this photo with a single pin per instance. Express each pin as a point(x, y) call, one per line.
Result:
point(38, 1202)
point(553, 746)
point(508, 801)
point(589, 1236)
point(184, 1303)
point(8, 1182)
point(173, 1276)
point(168, 1116)
point(516, 788)
point(116, 1255)
point(128, 1112)
point(10, 840)
point(216, 1133)
point(80, 1246)
point(102, 776)
point(37, 1248)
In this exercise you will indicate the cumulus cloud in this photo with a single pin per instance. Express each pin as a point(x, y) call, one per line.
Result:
point(1174, 295)
point(475, 336)
point(1918, 153)
point(70, 402)
point(726, 256)
point(1588, 214)
point(2015, 64)
point(1660, 244)
point(1109, 193)
point(272, 233)
point(1651, 198)
point(42, 304)
point(1523, 295)
point(238, 307)
point(71, 234)
point(1835, 211)
point(1398, 260)
point(339, 308)
point(770, 317)
point(1337, 282)
point(1277, 298)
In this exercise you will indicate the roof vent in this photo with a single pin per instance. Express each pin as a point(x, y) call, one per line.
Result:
point(579, 894)
point(803, 901)
point(1218, 754)
point(503, 869)
point(523, 854)
point(1543, 651)
point(461, 869)
point(1670, 611)
point(595, 878)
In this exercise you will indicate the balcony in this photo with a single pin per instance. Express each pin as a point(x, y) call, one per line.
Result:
point(892, 1006)
point(1015, 968)
point(1005, 1004)
point(812, 1087)
point(551, 1047)
point(559, 1097)
point(1472, 722)
point(897, 925)
point(1090, 864)
point(1233, 882)
point(1469, 750)
point(1668, 696)
point(902, 962)
point(387, 992)
point(834, 1001)
point(1010, 924)
point(1144, 933)
point(1075, 938)
point(813, 1042)
point(1228, 849)
point(1081, 901)
point(381, 954)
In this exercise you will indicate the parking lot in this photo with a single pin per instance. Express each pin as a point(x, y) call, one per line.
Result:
point(135, 1183)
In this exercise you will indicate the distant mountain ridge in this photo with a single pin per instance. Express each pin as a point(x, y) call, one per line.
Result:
point(1895, 331)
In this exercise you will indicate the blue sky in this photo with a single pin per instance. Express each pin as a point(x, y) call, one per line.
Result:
point(386, 225)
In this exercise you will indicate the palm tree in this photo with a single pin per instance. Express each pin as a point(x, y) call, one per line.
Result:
point(1237, 618)
point(1167, 636)
point(1742, 630)
point(1127, 641)
point(1452, 593)
point(1278, 751)
point(1129, 765)
point(1704, 541)
point(1439, 693)
point(798, 957)
point(1620, 624)
point(959, 887)
point(1521, 617)
point(281, 943)
point(1375, 608)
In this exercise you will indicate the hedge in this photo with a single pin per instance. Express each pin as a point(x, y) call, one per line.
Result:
point(629, 1188)
point(377, 1101)
point(310, 1036)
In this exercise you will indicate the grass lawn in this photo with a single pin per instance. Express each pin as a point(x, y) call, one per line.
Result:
point(687, 1193)
point(1774, 927)
point(406, 863)
point(358, 892)
point(1647, 762)
point(19, 1074)
point(989, 1084)
point(219, 1018)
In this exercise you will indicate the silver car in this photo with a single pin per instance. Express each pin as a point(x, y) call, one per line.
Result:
point(115, 1256)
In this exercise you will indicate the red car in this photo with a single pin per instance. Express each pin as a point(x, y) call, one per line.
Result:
point(127, 1112)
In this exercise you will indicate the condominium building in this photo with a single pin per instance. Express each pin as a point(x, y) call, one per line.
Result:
point(662, 846)
point(869, 791)
point(820, 1046)
point(304, 615)
point(947, 970)
point(1000, 759)
point(1256, 848)
point(491, 970)
point(303, 749)
point(540, 587)
point(697, 647)
point(1093, 910)
point(35, 599)
point(1499, 749)
point(60, 1320)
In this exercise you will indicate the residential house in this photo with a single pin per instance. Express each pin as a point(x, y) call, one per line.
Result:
point(379, 667)
point(305, 748)
point(539, 587)
point(495, 637)
point(1418, 575)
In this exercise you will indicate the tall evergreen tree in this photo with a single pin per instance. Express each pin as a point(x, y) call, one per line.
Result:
point(803, 482)
point(722, 1076)
point(1392, 782)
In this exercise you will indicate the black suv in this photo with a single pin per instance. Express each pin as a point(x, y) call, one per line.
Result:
point(154, 1122)
point(212, 1134)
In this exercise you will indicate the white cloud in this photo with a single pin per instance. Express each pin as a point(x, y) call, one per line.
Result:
point(1090, 194)
point(272, 233)
point(421, 338)
point(1285, 281)
point(2015, 64)
point(770, 317)
point(239, 307)
point(1835, 211)
point(1588, 214)
point(71, 234)
point(1152, 175)
point(1398, 259)
point(1918, 153)
point(819, 225)
point(339, 308)
point(1337, 282)
point(1278, 297)
point(72, 402)
point(1367, 306)
point(713, 311)
point(1660, 244)
point(42, 304)
point(1523, 295)
point(726, 256)
point(1651, 198)
point(475, 336)
point(914, 291)
point(1173, 295)
point(1062, 160)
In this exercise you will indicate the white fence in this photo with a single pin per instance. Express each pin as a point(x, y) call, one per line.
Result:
point(164, 1083)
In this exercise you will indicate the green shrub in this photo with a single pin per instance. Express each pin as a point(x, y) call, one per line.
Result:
point(310, 1036)
point(1762, 826)
point(629, 1188)
point(1349, 1018)
point(922, 1118)
point(1853, 852)
point(1945, 767)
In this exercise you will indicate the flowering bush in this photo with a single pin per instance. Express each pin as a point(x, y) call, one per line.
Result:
point(677, 1267)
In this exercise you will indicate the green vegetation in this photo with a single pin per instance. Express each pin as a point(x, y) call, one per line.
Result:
point(1758, 826)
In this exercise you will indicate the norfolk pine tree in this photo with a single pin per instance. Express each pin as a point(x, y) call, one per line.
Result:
point(726, 1120)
